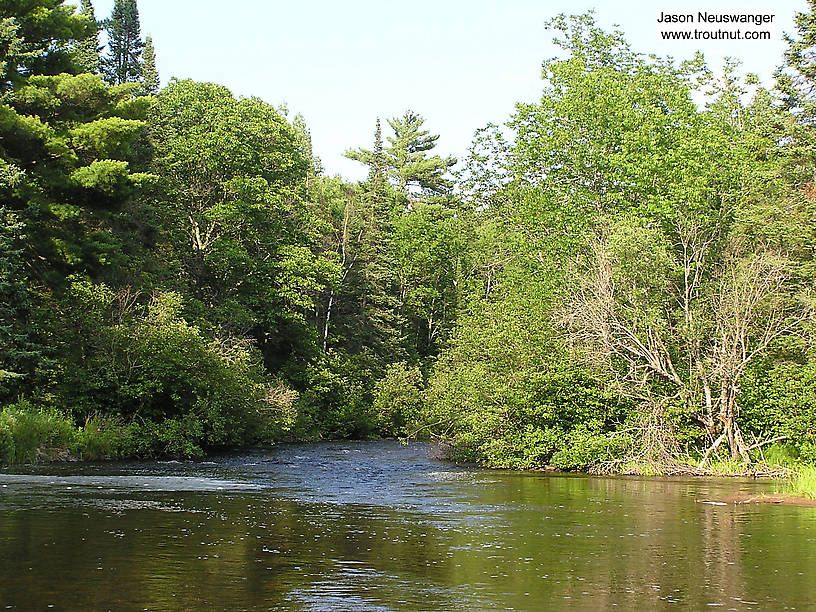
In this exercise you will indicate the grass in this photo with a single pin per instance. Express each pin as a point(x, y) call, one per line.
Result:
point(802, 483)
point(29, 434)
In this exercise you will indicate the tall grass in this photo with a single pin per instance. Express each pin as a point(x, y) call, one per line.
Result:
point(802, 482)
point(29, 434)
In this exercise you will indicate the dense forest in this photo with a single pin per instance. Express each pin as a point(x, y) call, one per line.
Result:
point(619, 278)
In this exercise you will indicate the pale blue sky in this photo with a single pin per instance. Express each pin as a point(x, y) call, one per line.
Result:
point(459, 63)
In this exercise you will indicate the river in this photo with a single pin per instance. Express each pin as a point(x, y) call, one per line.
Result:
point(383, 526)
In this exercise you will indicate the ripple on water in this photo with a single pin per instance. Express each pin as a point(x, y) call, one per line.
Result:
point(153, 483)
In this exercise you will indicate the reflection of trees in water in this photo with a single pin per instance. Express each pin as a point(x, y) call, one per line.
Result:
point(494, 540)
point(722, 577)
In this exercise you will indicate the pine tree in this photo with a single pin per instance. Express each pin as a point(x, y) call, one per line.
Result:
point(150, 74)
point(123, 61)
point(38, 37)
point(406, 161)
point(87, 49)
point(408, 157)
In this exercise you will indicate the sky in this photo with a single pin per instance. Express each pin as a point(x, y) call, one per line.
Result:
point(460, 64)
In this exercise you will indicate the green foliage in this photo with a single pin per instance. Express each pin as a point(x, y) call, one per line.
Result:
point(111, 138)
point(122, 63)
point(36, 37)
point(406, 161)
point(103, 437)
point(673, 213)
point(18, 346)
point(176, 276)
point(36, 433)
point(780, 400)
point(398, 399)
point(802, 483)
point(235, 207)
point(8, 451)
point(108, 176)
point(337, 401)
point(141, 361)
point(795, 82)
point(86, 51)
point(150, 74)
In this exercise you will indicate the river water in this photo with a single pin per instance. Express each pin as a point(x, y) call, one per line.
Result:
point(382, 526)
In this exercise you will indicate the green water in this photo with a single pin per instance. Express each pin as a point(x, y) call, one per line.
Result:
point(380, 526)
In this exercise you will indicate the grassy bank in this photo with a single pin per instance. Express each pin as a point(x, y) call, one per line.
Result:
point(30, 434)
point(802, 482)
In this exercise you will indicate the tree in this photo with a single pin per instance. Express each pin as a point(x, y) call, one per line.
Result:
point(122, 64)
point(654, 255)
point(796, 81)
point(408, 157)
point(732, 308)
point(87, 50)
point(377, 175)
point(18, 352)
point(429, 249)
point(38, 37)
point(150, 74)
point(236, 213)
point(406, 161)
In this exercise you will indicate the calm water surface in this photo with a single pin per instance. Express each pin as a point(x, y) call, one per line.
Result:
point(381, 526)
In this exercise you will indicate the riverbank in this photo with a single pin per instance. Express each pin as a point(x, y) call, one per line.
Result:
point(43, 436)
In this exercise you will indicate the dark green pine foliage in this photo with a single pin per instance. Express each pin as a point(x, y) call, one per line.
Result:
point(407, 155)
point(122, 64)
point(150, 74)
point(29, 43)
point(796, 81)
point(87, 49)
point(17, 350)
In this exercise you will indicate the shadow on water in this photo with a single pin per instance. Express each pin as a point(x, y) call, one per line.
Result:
point(380, 526)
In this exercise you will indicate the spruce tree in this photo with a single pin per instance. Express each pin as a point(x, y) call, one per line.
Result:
point(150, 74)
point(123, 61)
point(377, 176)
point(87, 49)
point(18, 351)
point(796, 81)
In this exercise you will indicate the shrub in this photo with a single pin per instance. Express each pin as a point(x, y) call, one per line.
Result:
point(103, 437)
point(7, 453)
point(398, 398)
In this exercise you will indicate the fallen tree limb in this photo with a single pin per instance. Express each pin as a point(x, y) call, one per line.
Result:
point(761, 444)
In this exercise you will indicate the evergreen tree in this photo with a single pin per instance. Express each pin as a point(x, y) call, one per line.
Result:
point(406, 161)
point(17, 351)
point(38, 37)
point(408, 157)
point(796, 81)
point(87, 49)
point(123, 61)
point(150, 74)
point(377, 172)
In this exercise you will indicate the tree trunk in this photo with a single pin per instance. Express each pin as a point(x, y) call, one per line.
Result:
point(733, 435)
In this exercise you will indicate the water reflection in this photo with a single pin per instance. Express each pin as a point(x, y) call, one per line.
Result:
point(379, 526)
